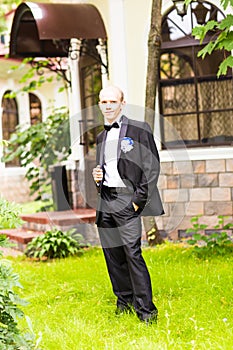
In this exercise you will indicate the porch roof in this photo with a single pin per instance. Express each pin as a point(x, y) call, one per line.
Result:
point(45, 29)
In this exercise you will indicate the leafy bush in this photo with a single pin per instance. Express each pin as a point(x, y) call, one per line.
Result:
point(218, 242)
point(55, 244)
point(10, 336)
point(221, 32)
point(39, 147)
point(9, 214)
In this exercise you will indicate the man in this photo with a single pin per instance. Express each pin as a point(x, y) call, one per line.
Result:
point(126, 176)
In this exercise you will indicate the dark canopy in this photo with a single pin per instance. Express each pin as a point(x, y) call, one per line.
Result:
point(44, 30)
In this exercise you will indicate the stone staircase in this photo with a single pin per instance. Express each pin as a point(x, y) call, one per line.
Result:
point(83, 220)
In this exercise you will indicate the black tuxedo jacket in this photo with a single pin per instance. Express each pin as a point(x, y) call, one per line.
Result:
point(138, 164)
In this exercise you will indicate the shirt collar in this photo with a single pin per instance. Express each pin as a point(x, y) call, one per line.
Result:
point(118, 120)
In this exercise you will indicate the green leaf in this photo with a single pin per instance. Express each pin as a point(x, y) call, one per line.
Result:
point(226, 3)
point(197, 236)
point(194, 219)
point(227, 63)
point(226, 42)
point(214, 235)
point(200, 32)
point(226, 23)
point(191, 241)
point(206, 49)
point(203, 226)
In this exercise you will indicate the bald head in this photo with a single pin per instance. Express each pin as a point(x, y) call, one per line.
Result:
point(111, 101)
point(112, 90)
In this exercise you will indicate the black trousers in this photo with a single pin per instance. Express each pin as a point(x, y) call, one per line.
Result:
point(120, 235)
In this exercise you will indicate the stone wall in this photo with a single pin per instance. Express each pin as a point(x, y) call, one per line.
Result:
point(199, 187)
point(14, 188)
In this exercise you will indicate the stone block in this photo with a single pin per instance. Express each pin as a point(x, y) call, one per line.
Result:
point(184, 224)
point(182, 167)
point(173, 181)
point(229, 165)
point(207, 180)
point(215, 166)
point(173, 223)
point(218, 208)
point(210, 221)
point(226, 180)
point(162, 182)
point(175, 195)
point(221, 194)
point(177, 209)
point(199, 194)
point(199, 166)
point(166, 168)
point(194, 208)
point(188, 180)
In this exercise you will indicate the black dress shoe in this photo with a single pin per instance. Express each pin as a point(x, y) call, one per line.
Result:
point(150, 319)
point(123, 309)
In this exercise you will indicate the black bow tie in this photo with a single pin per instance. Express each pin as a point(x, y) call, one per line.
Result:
point(109, 127)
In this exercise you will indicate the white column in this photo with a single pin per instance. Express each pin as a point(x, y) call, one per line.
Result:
point(24, 109)
point(74, 96)
point(102, 51)
point(117, 45)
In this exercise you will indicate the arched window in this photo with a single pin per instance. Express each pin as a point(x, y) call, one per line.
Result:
point(35, 109)
point(196, 106)
point(9, 121)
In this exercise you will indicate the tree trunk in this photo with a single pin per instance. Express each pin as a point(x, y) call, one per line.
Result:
point(154, 42)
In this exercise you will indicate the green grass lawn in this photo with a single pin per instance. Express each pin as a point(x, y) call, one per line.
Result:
point(71, 303)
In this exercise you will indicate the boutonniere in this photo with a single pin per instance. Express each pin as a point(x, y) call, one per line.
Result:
point(126, 144)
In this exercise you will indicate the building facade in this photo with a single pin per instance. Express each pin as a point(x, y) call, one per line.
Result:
point(193, 124)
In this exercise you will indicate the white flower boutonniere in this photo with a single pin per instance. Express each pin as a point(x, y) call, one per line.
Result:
point(126, 144)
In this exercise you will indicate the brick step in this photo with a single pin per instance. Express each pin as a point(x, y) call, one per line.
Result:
point(38, 223)
point(83, 220)
point(20, 237)
point(43, 221)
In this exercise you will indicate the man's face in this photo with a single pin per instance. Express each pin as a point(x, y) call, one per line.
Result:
point(110, 104)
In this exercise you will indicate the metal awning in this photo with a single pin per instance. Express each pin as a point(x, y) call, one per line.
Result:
point(45, 30)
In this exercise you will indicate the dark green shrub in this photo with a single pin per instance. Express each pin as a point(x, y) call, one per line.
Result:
point(218, 242)
point(11, 338)
point(54, 244)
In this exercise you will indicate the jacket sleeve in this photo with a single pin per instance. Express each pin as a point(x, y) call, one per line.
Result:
point(99, 141)
point(150, 167)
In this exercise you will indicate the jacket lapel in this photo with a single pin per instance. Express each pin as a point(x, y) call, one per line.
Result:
point(123, 130)
point(101, 160)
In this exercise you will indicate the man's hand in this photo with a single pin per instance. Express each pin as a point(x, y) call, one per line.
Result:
point(97, 174)
point(136, 207)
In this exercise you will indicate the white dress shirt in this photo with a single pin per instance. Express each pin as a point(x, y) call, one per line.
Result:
point(112, 177)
